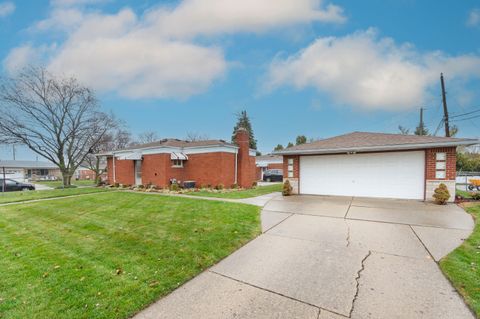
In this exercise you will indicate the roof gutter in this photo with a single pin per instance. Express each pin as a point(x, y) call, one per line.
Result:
point(377, 148)
point(166, 148)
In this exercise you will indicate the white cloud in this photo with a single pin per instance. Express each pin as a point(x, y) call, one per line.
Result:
point(114, 53)
point(6, 8)
point(18, 58)
point(156, 55)
point(369, 72)
point(207, 17)
point(21, 56)
point(473, 18)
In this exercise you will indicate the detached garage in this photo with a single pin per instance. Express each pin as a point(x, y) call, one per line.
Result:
point(373, 165)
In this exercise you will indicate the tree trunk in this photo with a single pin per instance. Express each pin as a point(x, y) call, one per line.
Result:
point(97, 171)
point(66, 178)
point(97, 179)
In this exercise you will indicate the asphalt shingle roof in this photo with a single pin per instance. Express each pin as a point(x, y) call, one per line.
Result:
point(359, 140)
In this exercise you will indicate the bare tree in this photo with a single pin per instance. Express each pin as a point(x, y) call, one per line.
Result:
point(194, 136)
point(147, 137)
point(117, 138)
point(403, 130)
point(55, 117)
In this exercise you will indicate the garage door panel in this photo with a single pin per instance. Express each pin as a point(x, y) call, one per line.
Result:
point(389, 175)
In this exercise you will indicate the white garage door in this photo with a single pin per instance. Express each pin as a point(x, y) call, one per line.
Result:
point(388, 175)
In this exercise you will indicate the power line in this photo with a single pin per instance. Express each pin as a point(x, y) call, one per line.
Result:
point(468, 113)
point(438, 127)
point(468, 118)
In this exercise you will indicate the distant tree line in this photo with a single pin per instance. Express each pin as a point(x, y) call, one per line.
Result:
point(468, 162)
point(299, 140)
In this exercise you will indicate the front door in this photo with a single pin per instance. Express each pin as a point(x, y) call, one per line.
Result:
point(138, 172)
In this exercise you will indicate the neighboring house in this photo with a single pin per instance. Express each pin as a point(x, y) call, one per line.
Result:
point(209, 162)
point(265, 162)
point(22, 171)
point(84, 173)
point(374, 165)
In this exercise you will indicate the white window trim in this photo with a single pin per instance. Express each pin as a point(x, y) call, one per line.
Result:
point(441, 156)
point(177, 165)
point(440, 160)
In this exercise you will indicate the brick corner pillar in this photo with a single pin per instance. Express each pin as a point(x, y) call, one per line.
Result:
point(245, 169)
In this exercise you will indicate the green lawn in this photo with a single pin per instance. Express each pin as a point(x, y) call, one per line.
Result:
point(462, 266)
point(111, 255)
point(464, 194)
point(261, 190)
point(56, 184)
point(10, 197)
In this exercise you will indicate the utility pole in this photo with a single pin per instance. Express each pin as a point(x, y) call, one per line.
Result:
point(421, 118)
point(13, 151)
point(445, 109)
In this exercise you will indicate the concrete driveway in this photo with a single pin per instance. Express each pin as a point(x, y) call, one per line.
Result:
point(332, 257)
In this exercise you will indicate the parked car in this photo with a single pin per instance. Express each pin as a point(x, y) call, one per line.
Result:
point(12, 186)
point(273, 175)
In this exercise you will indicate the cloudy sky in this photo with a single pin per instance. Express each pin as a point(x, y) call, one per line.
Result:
point(312, 67)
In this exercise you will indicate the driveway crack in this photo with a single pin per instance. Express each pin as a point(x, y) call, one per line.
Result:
point(348, 232)
point(357, 279)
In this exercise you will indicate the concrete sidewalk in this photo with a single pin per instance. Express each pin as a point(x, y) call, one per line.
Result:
point(332, 257)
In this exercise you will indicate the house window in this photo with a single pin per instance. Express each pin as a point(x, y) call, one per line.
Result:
point(290, 167)
point(177, 163)
point(440, 165)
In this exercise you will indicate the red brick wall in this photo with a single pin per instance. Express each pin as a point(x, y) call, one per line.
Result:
point(124, 169)
point(110, 170)
point(296, 166)
point(258, 173)
point(205, 169)
point(246, 163)
point(211, 168)
point(275, 166)
point(154, 169)
point(430, 159)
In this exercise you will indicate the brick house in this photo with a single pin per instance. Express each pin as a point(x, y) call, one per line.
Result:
point(266, 162)
point(374, 165)
point(209, 162)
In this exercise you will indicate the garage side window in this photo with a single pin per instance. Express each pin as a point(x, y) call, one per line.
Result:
point(290, 167)
point(440, 165)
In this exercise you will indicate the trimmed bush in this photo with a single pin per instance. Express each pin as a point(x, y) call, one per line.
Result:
point(254, 184)
point(174, 187)
point(234, 186)
point(287, 188)
point(441, 194)
point(219, 187)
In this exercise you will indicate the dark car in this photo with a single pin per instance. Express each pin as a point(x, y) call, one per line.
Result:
point(12, 186)
point(273, 175)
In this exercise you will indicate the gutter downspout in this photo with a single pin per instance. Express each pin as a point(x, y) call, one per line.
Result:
point(236, 166)
point(114, 175)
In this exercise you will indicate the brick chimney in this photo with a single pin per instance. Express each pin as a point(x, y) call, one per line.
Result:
point(245, 162)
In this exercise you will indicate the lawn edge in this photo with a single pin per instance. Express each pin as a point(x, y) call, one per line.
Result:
point(443, 259)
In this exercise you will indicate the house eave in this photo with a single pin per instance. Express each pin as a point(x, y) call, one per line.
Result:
point(401, 147)
point(167, 149)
